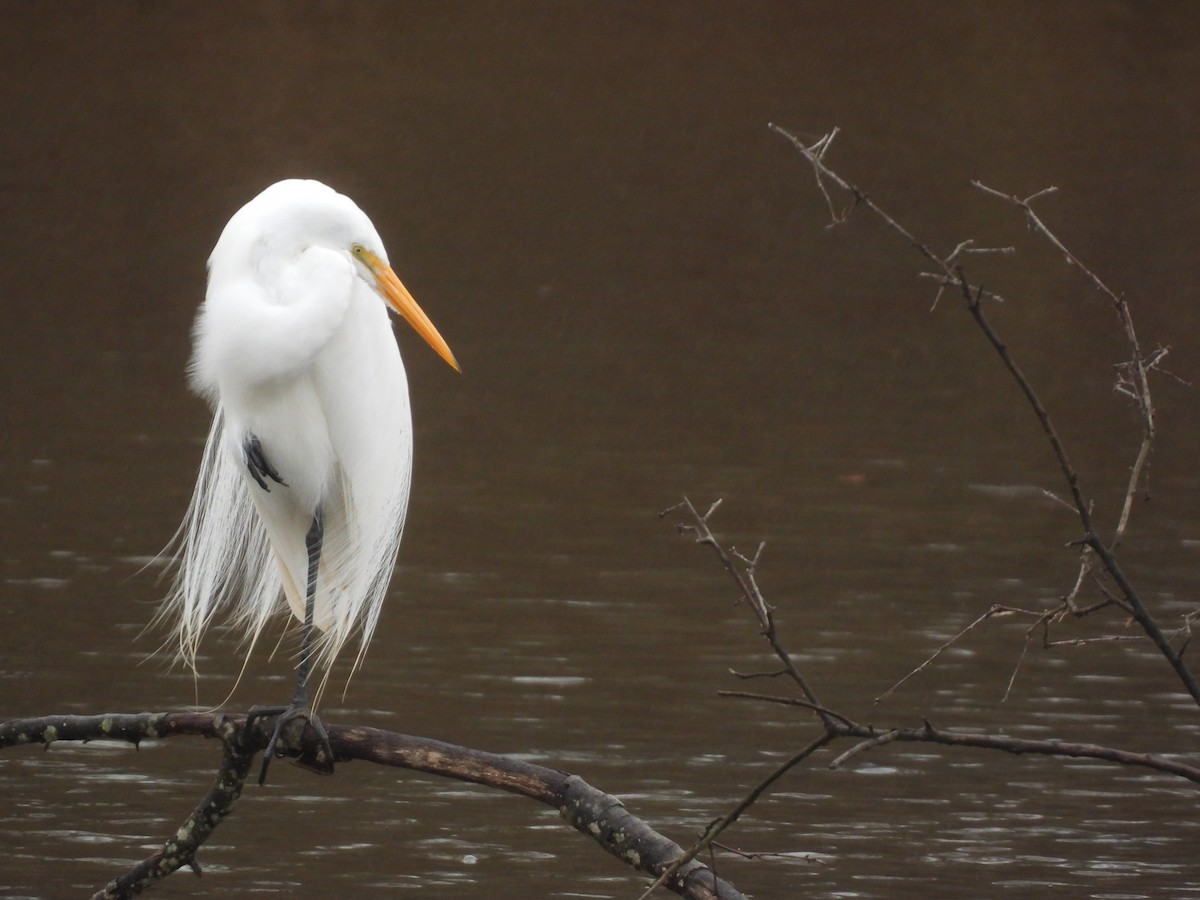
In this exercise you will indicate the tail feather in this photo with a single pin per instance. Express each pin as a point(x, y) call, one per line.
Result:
point(223, 556)
point(227, 564)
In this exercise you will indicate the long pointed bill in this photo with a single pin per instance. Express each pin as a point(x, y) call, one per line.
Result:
point(402, 301)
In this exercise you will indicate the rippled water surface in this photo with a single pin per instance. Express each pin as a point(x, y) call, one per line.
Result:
point(637, 278)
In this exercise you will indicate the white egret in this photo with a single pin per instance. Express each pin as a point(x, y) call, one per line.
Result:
point(303, 487)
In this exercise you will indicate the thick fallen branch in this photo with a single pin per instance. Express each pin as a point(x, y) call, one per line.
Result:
point(600, 816)
point(180, 849)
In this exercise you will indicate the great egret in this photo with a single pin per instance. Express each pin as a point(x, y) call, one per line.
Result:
point(304, 482)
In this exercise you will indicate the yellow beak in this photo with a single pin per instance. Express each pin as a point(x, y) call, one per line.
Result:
point(402, 301)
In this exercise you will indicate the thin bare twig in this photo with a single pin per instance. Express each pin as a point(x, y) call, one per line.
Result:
point(787, 701)
point(715, 828)
point(1136, 384)
point(741, 570)
point(1012, 680)
point(996, 610)
point(863, 746)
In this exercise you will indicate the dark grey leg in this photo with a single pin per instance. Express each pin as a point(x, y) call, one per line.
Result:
point(299, 706)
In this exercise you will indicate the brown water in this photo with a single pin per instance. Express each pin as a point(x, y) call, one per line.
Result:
point(636, 278)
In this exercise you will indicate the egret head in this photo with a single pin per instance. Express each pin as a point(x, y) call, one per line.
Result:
point(295, 215)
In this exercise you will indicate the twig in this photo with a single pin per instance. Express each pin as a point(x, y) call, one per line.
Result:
point(747, 676)
point(1075, 750)
point(744, 578)
point(764, 854)
point(994, 611)
point(972, 298)
point(815, 156)
point(863, 746)
point(787, 701)
point(715, 828)
point(1013, 678)
point(1138, 386)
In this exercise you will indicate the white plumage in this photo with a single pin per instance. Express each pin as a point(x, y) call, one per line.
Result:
point(294, 350)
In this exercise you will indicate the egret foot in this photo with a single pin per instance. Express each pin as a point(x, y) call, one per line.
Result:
point(319, 761)
point(259, 466)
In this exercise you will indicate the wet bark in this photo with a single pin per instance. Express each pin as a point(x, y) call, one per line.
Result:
point(600, 816)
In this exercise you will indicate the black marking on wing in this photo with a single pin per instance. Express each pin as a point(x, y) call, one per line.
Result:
point(259, 465)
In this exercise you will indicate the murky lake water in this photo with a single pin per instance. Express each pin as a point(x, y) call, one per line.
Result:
point(636, 277)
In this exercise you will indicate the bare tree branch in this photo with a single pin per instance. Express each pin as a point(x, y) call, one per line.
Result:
point(600, 816)
point(951, 273)
point(840, 726)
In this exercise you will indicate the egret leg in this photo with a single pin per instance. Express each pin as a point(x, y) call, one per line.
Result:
point(299, 708)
